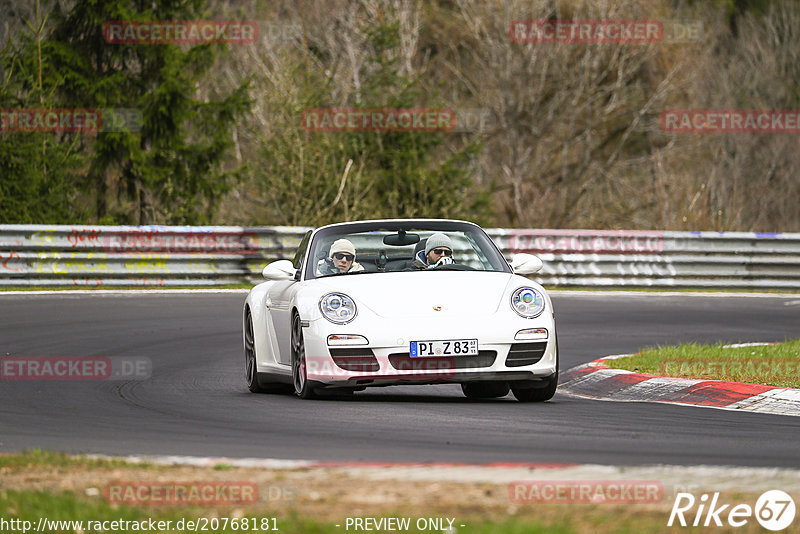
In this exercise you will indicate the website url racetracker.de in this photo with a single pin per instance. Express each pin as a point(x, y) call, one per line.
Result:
point(200, 524)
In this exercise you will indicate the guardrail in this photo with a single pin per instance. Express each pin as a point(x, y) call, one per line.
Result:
point(32, 255)
point(596, 258)
point(198, 256)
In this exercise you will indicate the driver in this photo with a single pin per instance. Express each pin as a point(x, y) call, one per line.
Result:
point(341, 259)
point(438, 251)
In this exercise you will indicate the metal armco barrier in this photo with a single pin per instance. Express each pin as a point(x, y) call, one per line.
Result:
point(207, 256)
point(202, 256)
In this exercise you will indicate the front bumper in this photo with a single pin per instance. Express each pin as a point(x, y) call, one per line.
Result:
point(385, 360)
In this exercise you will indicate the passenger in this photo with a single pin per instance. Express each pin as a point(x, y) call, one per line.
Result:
point(438, 251)
point(341, 259)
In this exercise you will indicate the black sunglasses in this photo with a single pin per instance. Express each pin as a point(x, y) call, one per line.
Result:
point(342, 255)
point(442, 251)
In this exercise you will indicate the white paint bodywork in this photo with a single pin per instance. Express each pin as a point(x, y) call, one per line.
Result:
point(393, 309)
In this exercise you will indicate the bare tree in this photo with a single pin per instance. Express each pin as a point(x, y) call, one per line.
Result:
point(753, 177)
point(573, 138)
point(573, 120)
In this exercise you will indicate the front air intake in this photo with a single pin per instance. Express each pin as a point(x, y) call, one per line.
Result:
point(402, 361)
point(521, 354)
point(358, 360)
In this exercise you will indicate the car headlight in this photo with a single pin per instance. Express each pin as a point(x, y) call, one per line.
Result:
point(527, 302)
point(337, 308)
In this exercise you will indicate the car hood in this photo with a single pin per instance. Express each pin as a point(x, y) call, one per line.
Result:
point(424, 294)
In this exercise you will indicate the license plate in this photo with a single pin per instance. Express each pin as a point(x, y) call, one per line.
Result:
point(445, 347)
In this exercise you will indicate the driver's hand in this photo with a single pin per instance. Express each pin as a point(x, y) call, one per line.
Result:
point(444, 260)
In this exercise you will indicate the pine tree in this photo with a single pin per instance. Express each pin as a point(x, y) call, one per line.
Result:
point(166, 167)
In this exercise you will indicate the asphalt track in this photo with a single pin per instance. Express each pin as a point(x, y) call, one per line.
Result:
point(196, 402)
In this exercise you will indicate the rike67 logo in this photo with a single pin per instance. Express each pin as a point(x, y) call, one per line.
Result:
point(774, 510)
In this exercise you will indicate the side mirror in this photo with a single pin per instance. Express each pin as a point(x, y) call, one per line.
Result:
point(526, 264)
point(279, 270)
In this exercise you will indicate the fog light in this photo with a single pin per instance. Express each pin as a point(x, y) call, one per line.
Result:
point(346, 339)
point(531, 333)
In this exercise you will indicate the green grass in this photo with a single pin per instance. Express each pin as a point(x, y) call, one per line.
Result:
point(223, 467)
point(64, 506)
point(30, 506)
point(40, 458)
point(22, 504)
point(773, 365)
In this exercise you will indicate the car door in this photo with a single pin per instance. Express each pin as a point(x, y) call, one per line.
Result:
point(279, 304)
point(279, 300)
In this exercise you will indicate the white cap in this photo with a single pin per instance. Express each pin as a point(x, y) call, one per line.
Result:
point(342, 245)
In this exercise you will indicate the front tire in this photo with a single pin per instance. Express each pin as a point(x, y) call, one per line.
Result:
point(303, 388)
point(536, 394)
point(542, 392)
point(250, 366)
point(485, 390)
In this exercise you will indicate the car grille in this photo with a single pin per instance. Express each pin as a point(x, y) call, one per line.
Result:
point(525, 353)
point(357, 360)
point(402, 361)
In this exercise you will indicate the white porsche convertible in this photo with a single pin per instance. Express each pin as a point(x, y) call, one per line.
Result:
point(390, 302)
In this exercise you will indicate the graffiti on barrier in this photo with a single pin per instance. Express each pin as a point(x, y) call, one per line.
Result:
point(85, 237)
point(92, 282)
point(70, 263)
point(10, 261)
point(586, 242)
point(43, 237)
point(148, 282)
point(144, 266)
point(591, 269)
point(149, 241)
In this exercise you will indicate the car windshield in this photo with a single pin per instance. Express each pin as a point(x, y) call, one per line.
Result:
point(380, 247)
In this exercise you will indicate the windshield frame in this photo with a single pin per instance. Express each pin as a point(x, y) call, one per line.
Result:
point(324, 233)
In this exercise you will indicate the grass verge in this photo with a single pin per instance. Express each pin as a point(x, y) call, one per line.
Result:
point(62, 510)
point(41, 458)
point(772, 365)
point(40, 485)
